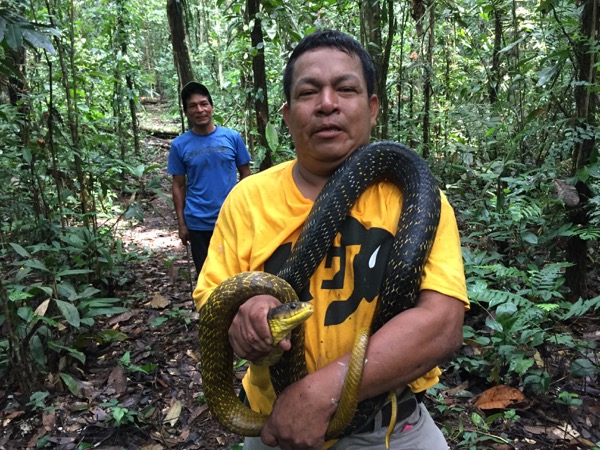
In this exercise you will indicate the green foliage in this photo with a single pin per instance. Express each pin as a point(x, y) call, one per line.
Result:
point(126, 363)
point(16, 30)
point(119, 414)
point(53, 296)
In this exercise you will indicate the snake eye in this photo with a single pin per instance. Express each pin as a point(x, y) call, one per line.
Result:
point(293, 305)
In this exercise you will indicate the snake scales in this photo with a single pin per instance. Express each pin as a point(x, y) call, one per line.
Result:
point(416, 230)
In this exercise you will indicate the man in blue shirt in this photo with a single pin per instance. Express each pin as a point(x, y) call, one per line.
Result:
point(204, 162)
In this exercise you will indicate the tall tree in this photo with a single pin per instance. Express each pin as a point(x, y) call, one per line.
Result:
point(69, 79)
point(261, 104)
point(428, 81)
point(181, 55)
point(374, 17)
point(586, 99)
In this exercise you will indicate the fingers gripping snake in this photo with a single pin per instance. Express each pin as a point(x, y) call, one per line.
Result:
point(414, 237)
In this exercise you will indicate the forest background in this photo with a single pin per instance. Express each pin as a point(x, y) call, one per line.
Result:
point(499, 96)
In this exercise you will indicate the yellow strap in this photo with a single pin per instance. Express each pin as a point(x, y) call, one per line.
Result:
point(393, 417)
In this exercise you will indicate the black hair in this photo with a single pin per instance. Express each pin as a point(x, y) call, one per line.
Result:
point(327, 38)
point(193, 87)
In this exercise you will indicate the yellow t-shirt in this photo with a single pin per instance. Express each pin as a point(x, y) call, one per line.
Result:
point(261, 220)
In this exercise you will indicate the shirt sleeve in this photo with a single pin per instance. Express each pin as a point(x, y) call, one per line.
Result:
point(242, 156)
point(175, 164)
point(444, 269)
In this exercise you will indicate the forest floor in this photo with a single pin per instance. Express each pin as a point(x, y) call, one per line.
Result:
point(151, 382)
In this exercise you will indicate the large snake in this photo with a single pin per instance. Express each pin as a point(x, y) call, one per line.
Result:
point(414, 237)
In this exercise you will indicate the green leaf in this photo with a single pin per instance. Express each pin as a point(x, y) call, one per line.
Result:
point(36, 264)
point(106, 336)
point(38, 40)
point(513, 44)
point(2, 28)
point(63, 273)
point(529, 237)
point(13, 36)
point(69, 312)
point(138, 170)
point(20, 250)
point(584, 368)
point(70, 350)
point(546, 74)
point(272, 137)
point(70, 382)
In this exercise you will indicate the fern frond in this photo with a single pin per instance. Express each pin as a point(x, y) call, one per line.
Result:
point(503, 272)
point(494, 297)
point(581, 307)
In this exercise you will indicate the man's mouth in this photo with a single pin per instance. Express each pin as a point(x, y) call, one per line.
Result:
point(329, 129)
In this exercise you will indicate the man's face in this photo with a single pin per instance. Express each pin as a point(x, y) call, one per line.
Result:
point(330, 113)
point(199, 111)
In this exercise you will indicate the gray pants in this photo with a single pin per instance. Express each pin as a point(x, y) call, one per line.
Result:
point(417, 432)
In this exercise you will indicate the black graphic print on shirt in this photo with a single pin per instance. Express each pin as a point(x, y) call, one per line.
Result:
point(361, 256)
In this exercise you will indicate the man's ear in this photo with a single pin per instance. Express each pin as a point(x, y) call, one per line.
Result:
point(374, 109)
point(286, 113)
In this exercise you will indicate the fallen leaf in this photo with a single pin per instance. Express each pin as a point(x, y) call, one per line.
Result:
point(159, 301)
point(117, 380)
point(11, 416)
point(174, 413)
point(48, 420)
point(499, 397)
point(197, 412)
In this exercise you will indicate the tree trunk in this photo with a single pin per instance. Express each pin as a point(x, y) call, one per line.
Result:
point(494, 80)
point(373, 19)
point(181, 55)
point(586, 101)
point(261, 105)
point(427, 83)
point(69, 81)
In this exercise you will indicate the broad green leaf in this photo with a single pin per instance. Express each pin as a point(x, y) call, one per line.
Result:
point(54, 345)
point(70, 382)
point(529, 237)
point(138, 170)
point(38, 40)
point(13, 36)
point(25, 313)
point(584, 368)
point(38, 350)
point(494, 325)
point(20, 250)
point(63, 273)
point(511, 45)
point(106, 336)
point(107, 311)
point(272, 137)
point(36, 264)
point(2, 28)
point(69, 312)
point(545, 75)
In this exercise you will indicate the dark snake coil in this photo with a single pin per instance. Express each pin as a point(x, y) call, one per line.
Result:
point(414, 237)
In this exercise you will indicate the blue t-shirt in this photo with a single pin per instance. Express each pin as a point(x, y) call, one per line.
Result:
point(210, 164)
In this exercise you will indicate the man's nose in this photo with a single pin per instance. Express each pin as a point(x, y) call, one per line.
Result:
point(329, 100)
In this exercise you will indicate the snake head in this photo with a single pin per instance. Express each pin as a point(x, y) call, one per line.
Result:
point(287, 316)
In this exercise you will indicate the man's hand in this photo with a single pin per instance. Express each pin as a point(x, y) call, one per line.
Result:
point(301, 414)
point(249, 333)
point(184, 234)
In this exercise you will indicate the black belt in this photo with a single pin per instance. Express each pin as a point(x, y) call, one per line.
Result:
point(405, 408)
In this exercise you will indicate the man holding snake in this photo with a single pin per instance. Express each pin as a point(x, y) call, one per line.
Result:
point(330, 110)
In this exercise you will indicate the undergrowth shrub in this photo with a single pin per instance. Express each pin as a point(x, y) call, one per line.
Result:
point(514, 234)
